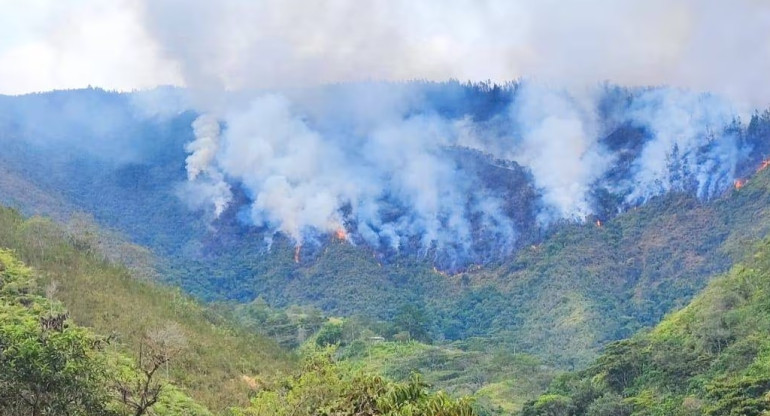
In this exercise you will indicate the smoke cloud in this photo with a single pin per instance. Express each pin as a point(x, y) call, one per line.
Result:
point(688, 134)
point(391, 183)
point(392, 174)
point(380, 159)
point(207, 183)
point(559, 144)
point(716, 46)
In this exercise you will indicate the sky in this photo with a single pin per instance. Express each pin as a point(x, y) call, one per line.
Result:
point(714, 45)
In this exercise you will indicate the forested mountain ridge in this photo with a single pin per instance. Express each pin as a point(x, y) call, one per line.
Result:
point(127, 170)
point(549, 301)
point(628, 272)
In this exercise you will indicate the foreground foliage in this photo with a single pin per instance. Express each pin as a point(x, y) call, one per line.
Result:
point(107, 298)
point(710, 358)
point(53, 367)
point(328, 388)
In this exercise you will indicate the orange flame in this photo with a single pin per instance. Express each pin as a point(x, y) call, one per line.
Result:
point(764, 165)
point(739, 183)
point(296, 253)
point(435, 270)
point(341, 234)
point(598, 223)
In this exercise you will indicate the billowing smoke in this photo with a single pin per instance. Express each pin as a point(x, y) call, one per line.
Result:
point(396, 175)
point(689, 143)
point(388, 162)
point(391, 184)
point(559, 144)
point(206, 183)
point(705, 45)
point(204, 148)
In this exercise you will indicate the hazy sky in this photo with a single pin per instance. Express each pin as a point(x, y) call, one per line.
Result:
point(719, 45)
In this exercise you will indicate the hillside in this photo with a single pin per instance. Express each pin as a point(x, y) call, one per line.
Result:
point(586, 285)
point(52, 366)
point(681, 243)
point(384, 208)
point(571, 286)
point(561, 299)
point(491, 369)
point(108, 300)
point(710, 358)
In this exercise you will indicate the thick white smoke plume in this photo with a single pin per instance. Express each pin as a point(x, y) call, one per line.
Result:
point(392, 175)
point(207, 184)
point(390, 183)
point(688, 131)
point(204, 148)
point(383, 162)
point(296, 179)
point(560, 145)
point(706, 45)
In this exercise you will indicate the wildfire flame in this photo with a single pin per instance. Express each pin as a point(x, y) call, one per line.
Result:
point(598, 223)
point(341, 234)
point(296, 253)
point(764, 165)
point(739, 183)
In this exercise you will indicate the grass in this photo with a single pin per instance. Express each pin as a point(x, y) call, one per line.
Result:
point(108, 299)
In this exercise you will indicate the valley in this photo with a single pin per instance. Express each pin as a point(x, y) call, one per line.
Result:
point(500, 330)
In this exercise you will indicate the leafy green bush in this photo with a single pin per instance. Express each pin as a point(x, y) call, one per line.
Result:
point(329, 334)
point(324, 387)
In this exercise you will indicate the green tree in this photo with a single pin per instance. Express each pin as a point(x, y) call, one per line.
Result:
point(747, 396)
point(413, 320)
point(609, 405)
point(329, 334)
point(48, 367)
point(550, 405)
point(49, 371)
point(327, 388)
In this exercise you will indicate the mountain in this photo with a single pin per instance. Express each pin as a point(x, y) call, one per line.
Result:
point(127, 169)
point(708, 358)
point(561, 256)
